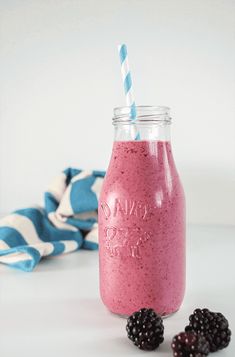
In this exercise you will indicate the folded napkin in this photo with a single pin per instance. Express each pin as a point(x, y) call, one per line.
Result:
point(67, 222)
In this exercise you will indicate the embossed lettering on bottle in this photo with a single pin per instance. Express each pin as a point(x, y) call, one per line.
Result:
point(126, 241)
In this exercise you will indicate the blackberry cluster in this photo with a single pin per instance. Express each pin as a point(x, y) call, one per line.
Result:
point(145, 329)
point(212, 325)
point(188, 344)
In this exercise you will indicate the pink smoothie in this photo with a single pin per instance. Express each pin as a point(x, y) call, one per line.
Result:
point(142, 230)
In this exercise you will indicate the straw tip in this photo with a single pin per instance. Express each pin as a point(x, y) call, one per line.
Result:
point(122, 47)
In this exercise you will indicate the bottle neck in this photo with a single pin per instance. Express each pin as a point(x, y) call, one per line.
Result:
point(149, 123)
point(143, 132)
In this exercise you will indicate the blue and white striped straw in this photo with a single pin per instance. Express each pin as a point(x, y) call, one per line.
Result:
point(127, 81)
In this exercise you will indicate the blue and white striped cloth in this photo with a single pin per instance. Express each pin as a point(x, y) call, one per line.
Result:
point(67, 223)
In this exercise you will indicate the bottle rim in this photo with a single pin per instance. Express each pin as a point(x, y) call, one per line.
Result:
point(145, 114)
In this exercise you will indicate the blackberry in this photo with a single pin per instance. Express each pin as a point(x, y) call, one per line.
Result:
point(212, 325)
point(145, 329)
point(189, 344)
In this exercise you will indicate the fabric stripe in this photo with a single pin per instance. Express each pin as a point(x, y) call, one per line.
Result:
point(92, 236)
point(58, 186)
point(96, 187)
point(89, 245)
point(15, 257)
point(87, 198)
point(44, 248)
point(58, 222)
point(65, 207)
point(25, 265)
point(98, 173)
point(23, 225)
point(81, 176)
point(3, 244)
point(85, 225)
point(58, 248)
point(70, 246)
point(51, 203)
point(70, 173)
point(36, 216)
point(11, 237)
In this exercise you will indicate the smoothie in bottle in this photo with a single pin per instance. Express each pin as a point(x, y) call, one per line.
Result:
point(142, 217)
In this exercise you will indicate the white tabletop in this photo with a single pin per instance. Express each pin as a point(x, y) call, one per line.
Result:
point(56, 310)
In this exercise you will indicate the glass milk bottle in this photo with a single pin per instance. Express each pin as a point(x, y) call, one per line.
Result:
point(142, 217)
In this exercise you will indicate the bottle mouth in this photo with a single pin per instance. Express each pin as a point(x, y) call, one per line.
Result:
point(143, 114)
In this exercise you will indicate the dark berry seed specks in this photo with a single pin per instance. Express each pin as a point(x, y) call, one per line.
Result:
point(145, 329)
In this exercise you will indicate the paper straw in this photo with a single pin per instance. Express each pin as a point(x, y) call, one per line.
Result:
point(127, 81)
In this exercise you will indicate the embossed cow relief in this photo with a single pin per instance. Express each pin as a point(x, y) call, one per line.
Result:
point(126, 242)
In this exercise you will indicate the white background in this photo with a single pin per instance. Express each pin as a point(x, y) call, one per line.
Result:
point(60, 79)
